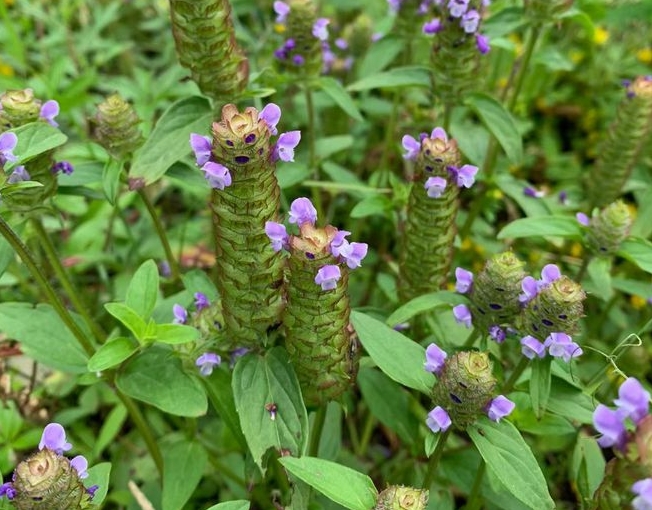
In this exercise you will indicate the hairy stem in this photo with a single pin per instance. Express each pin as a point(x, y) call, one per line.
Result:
point(434, 460)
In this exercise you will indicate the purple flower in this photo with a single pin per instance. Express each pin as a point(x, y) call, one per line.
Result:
point(7, 489)
point(563, 197)
point(560, 345)
point(530, 289)
point(18, 175)
point(462, 315)
point(271, 114)
point(352, 253)
point(440, 133)
point(285, 145)
point(277, 234)
point(531, 347)
point(236, 354)
point(529, 191)
point(633, 399)
point(180, 314)
point(338, 241)
point(394, 6)
point(217, 175)
point(438, 420)
point(8, 143)
point(65, 167)
point(583, 219)
point(411, 146)
point(497, 333)
point(500, 407)
point(341, 43)
point(201, 146)
point(435, 186)
point(164, 269)
point(201, 301)
point(327, 277)
point(465, 176)
point(302, 211)
point(470, 21)
point(643, 491)
point(464, 280)
point(610, 423)
point(282, 10)
point(206, 362)
point(435, 359)
point(298, 60)
point(482, 43)
point(319, 29)
point(458, 7)
point(81, 465)
point(49, 110)
point(92, 490)
point(54, 438)
point(432, 27)
point(549, 274)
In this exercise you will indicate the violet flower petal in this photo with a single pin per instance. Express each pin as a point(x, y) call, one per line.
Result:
point(49, 110)
point(54, 438)
point(271, 114)
point(81, 465)
point(217, 175)
point(435, 359)
point(462, 315)
point(464, 280)
point(302, 211)
point(328, 276)
point(277, 234)
point(500, 407)
point(435, 186)
point(438, 420)
point(201, 146)
point(412, 146)
point(286, 144)
point(610, 423)
point(207, 362)
point(633, 399)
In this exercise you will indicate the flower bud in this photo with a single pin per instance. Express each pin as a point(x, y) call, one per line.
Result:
point(495, 293)
point(398, 497)
point(18, 107)
point(541, 11)
point(556, 308)
point(614, 493)
point(465, 387)
point(206, 45)
point(620, 150)
point(609, 228)
point(116, 127)
point(48, 480)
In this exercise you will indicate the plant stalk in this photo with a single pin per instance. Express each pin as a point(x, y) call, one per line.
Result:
point(434, 460)
point(317, 428)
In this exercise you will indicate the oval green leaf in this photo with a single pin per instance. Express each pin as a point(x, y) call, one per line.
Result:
point(542, 226)
point(183, 466)
point(408, 76)
point(638, 251)
point(143, 289)
point(111, 354)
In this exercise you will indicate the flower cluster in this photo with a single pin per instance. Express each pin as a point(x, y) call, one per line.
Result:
point(632, 412)
point(462, 176)
point(545, 312)
point(8, 141)
point(607, 228)
point(217, 174)
point(47, 473)
point(463, 390)
point(304, 215)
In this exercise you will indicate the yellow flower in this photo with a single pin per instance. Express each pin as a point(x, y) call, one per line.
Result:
point(600, 36)
point(644, 55)
point(9, 2)
point(637, 302)
point(279, 28)
point(576, 250)
point(6, 69)
point(576, 56)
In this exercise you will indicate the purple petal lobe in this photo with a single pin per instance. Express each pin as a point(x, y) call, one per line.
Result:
point(328, 276)
point(435, 359)
point(583, 219)
point(217, 175)
point(412, 147)
point(49, 110)
point(435, 186)
point(201, 146)
point(633, 399)
point(180, 314)
point(611, 425)
point(500, 407)
point(531, 347)
point(277, 234)
point(438, 420)
point(302, 211)
point(81, 465)
point(54, 438)
point(206, 362)
point(462, 315)
point(464, 280)
point(286, 144)
point(271, 114)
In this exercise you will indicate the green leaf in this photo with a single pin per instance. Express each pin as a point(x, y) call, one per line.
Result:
point(34, 139)
point(408, 76)
point(510, 459)
point(599, 269)
point(638, 251)
point(388, 402)
point(399, 357)
point(500, 123)
point(156, 377)
point(176, 333)
point(587, 466)
point(380, 54)
point(570, 402)
point(372, 205)
point(540, 384)
point(112, 353)
point(345, 486)
point(143, 289)
point(111, 427)
point(259, 382)
point(220, 395)
point(513, 188)
point(183, 466)
point(43, 336)
point(338, 93)
point(169, 141)
point(424, 303)
point(542, 226)
point(329, 145)
point(237, 504)
point(129, 318)
point(111, 174)
point(99, 475)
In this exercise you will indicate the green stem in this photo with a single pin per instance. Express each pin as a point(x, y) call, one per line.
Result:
point(434, 460)
point(144, 429)
point(367, 431)
point(310, 107)
point(317, 428)
point(72, 293)
point(473, 336)
point(522, 365)
point(532, 39)
point(473, 502)
point(160, 230)
point(585, 264)
point(19, 247)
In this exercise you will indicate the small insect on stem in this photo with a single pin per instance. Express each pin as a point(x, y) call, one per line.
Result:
point(271, 408)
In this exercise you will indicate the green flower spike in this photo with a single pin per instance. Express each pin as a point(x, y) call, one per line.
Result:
point(608, 228)
point(398, 497)
point(495, 292)
point(619, 152)
point(18, 107)
point(302, 50)
point(206, 45)
point(542, 11)
point(429, 232)
point(116, 127)
point(250, 272)
point(465, 387)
